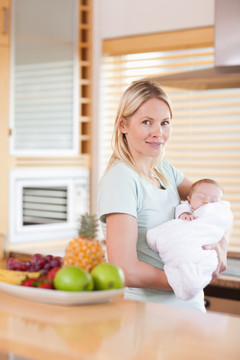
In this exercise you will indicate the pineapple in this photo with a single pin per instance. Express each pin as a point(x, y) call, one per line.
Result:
point(85, 251)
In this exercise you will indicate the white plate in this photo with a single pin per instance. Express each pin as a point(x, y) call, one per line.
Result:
point(60, 297)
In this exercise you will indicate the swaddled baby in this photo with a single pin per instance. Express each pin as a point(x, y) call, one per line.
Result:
point(201, 220)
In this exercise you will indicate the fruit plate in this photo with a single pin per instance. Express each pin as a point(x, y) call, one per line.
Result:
point(60, 297)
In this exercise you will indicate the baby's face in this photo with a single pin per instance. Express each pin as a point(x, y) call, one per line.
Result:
point(204, 193)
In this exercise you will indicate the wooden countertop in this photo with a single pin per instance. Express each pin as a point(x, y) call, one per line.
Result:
point(121, 329)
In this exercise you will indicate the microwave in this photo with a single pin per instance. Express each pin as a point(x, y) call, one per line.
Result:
point(46, 204)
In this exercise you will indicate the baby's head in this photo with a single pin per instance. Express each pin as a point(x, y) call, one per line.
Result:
point(204, 191)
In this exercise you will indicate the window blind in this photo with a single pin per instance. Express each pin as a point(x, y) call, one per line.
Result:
point(206, 124)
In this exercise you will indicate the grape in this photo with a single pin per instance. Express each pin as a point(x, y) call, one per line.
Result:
point(23, 267)
point(59, 259)
point(17, 266)
point(10, 263)
point(49, 257)
point(28, 264)
point(54, 263)
point(36, 258)
point(47, 267)
point(39, 262)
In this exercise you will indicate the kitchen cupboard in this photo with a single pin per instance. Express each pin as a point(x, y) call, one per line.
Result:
point(4, 91)
point(225, 306)
point(4, 22)
point(44, 78)
point(17, 161)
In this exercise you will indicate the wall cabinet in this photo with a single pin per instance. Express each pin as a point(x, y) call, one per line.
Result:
point(83, 54)
point(4, 22)
point(4, 97)
point(44, 78)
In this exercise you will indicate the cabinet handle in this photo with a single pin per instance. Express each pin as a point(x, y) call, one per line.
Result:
point(207, 303)
point(5, 20)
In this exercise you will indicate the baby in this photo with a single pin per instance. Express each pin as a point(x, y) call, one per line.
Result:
point(202, 192)
point(201, 220)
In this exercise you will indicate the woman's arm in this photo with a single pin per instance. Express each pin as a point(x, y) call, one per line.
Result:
point(121, 239)
point(184, 188)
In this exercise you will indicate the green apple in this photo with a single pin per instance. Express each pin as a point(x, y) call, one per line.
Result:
point(107, 276)
point(72, 278)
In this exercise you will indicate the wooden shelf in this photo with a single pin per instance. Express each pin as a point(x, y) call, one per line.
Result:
point(85, 83)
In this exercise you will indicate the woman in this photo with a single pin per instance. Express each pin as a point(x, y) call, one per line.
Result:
point(140, 190)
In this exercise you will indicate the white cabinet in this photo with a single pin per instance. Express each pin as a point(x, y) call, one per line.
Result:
point(44, 78)
point(4, 90)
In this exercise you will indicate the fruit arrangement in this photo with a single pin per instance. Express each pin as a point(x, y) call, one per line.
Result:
point(104, 276)
point(83, 267)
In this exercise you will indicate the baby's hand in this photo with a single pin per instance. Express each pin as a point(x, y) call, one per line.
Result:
point(187, 216)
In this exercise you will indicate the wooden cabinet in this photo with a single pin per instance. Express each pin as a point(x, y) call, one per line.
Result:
point(224, 295)
point(83, 157)
point(4, 115)
point(226, 306)
point(4, 22)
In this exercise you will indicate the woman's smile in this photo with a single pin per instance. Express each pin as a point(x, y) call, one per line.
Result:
point(155, 144)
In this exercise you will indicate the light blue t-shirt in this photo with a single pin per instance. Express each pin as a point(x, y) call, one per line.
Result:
point(122, 190)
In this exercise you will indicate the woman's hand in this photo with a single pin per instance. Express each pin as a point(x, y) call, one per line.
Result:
point(221, 250)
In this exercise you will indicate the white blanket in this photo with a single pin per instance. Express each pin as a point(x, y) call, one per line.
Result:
point(179, 243)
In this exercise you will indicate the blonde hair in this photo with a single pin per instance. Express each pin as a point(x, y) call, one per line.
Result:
point(135, 95)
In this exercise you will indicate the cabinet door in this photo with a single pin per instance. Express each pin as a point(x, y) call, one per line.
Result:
point(44, 78)
point(4, 89)
point(4, 22)
point(226, 306)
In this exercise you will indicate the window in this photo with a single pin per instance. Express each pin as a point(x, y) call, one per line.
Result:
point(206, 123)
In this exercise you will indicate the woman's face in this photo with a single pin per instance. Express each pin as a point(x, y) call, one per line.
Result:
point(148, 129)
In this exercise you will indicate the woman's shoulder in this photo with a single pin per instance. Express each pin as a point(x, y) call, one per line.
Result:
point(174, 175)
point(119, 175)
point(120, 169)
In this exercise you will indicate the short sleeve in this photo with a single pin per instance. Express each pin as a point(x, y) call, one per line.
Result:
point(118, 192)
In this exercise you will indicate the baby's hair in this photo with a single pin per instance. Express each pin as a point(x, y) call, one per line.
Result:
point(206, 181)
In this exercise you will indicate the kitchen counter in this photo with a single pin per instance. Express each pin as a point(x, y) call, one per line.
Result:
point(120, 329)
point(223, 294)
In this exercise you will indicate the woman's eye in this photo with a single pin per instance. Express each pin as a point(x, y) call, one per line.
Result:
point(146, 122)
point(165, 123)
